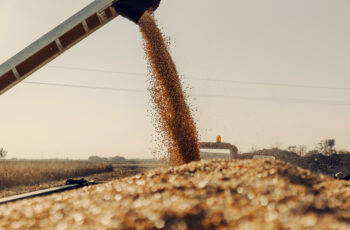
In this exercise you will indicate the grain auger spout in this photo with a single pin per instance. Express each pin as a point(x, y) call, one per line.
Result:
point(66, 35)
point(134, 9)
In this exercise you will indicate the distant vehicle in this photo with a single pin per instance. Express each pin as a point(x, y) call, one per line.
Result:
point(220, 145)
point(264, 157)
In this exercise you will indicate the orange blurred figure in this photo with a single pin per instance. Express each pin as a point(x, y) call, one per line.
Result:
point(218, 139)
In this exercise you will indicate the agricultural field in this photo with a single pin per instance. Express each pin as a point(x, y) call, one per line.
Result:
point(24, 175)
point(48, 174)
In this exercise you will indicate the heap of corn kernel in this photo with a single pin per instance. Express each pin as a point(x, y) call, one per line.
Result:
point(246, 194)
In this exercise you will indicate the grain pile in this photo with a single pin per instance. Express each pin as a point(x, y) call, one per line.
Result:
point(175, 122)
point(245, 194)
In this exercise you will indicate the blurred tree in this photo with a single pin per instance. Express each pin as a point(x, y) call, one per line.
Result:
point(326, 147)
point(292, 148)
point(312, 152)
point(3, 153)
point(254, 149)
point(301, 150)
point(95, 158)
point(343, 152)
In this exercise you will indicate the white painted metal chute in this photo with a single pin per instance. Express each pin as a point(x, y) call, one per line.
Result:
point(54, 43)
point(67, 34)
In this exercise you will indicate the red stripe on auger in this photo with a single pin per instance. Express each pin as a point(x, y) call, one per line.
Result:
point(7, 79)
point(72, 36)
point(93, 21)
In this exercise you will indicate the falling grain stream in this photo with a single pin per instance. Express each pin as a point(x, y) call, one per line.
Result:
point(176, 123)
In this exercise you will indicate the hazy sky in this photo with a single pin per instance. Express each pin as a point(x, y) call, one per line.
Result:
point(249, 49)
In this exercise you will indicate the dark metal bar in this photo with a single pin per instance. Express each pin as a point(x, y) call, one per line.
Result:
point(38, 193)
point(70, 184)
